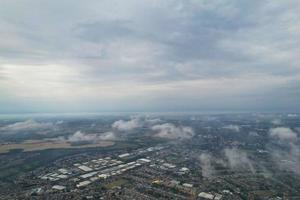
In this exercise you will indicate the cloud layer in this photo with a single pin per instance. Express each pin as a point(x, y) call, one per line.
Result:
point(150, 55)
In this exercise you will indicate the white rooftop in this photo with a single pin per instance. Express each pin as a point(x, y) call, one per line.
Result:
point(218, 197)
point(85, 168)
point(124, 155)
point(184, 169)
point(103, 176)
point(168, 165)
point(58, 187)
point(88, 175)
point(83, 183)
point(64, 171)
point(62, 176)
point(144, 160)
point(187, 185)
point(206, 195)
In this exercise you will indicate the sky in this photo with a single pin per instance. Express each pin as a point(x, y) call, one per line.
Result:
point(149, 55)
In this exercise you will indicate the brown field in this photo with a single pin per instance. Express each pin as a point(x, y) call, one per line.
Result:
point(35, 145)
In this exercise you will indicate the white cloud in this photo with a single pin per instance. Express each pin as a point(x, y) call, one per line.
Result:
point(107, 136)
point(283, 133)
point(134, 122)
point(79, 136)
point(288, 156)
point(82, 137)
point(206, 165)
point(292, 115)
point(131, 124)
point(253, 134)
point(41, 80)
point(59, 122)
point(27, 126)
point(276, 121)
point(151, 121)
point(287, 159)
point(235, 128)
point(170, 131)
point(238, 159)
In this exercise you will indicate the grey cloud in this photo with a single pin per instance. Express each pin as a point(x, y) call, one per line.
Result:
point(190, 30)
point(156, 44)
point(103, 31)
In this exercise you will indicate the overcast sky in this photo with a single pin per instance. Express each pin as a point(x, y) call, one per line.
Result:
point(149, 55)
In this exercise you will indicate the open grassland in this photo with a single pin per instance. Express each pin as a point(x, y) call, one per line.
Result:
point(35, 145)
point(116, 183)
